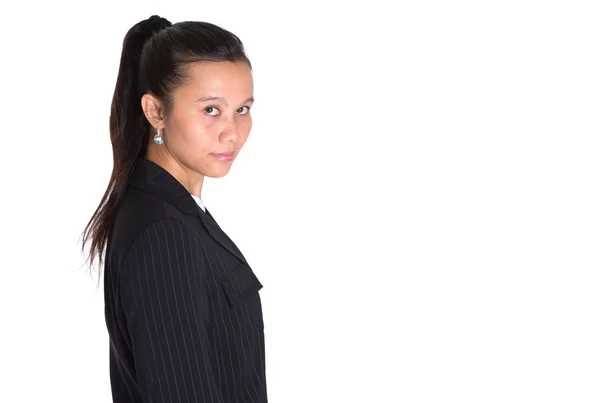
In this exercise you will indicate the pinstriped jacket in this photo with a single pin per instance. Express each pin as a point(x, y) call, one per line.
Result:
point(182, 305)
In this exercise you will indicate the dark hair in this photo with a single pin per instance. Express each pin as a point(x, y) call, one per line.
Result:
point(154, 59)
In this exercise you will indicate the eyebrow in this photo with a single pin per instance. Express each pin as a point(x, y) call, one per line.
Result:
point(220, 99)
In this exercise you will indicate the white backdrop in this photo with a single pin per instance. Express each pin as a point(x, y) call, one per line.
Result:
point(419, 196)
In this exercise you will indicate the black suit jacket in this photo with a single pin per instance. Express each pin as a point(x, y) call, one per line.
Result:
point(182, 306)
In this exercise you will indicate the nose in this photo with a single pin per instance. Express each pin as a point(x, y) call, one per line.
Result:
point(230, 132)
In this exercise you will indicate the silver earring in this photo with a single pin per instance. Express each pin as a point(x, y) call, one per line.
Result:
point(158, 137)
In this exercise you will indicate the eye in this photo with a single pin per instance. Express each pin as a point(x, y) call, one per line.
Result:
point(210, 110)
point(242, 108)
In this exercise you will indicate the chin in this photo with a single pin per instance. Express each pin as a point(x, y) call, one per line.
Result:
point(217, 173)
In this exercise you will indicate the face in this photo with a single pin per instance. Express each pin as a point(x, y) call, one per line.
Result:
point(210, 120)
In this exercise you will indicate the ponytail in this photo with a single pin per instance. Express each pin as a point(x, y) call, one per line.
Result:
point(129, 131)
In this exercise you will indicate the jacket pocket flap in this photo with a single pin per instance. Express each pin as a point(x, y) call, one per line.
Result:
point(240, 284)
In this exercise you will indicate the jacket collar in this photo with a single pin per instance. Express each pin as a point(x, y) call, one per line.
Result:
point(152, 178)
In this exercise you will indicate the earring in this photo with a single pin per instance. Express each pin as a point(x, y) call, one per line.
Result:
point(158, 137)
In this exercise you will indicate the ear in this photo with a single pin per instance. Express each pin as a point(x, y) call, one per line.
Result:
point(153, 110)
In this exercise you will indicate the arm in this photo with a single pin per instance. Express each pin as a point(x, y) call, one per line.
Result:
point(164, 297)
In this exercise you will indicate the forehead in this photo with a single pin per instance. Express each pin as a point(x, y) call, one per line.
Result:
point(227, 79)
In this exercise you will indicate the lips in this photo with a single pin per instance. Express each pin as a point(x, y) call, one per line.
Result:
point(224, 156)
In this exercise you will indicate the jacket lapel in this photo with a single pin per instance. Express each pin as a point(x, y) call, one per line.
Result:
point(151, 177)
point(218, 234)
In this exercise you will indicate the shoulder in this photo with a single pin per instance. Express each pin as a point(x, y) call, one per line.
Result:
point(164, 245)
point(165, 252)
point(141, 218)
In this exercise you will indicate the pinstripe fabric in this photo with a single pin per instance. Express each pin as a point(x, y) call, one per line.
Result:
point(182, 305)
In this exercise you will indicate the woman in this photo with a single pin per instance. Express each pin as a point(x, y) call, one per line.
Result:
point(183, 311)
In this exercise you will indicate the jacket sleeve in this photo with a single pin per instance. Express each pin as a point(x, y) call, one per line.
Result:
point(163, 295)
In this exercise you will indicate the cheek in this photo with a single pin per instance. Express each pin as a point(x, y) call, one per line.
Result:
point(246, 127)
point(196, 133)
point(180, 129)
point(197, 140)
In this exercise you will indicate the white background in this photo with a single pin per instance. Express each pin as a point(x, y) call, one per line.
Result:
point(419, 196)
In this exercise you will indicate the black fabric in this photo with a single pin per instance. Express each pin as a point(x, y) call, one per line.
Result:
point(182, 304)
